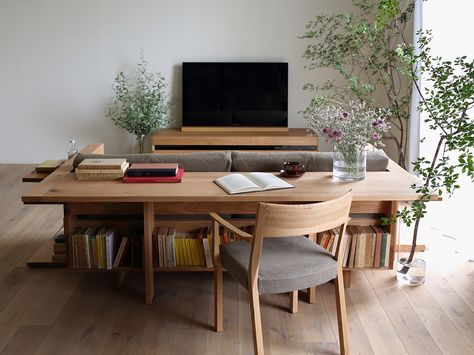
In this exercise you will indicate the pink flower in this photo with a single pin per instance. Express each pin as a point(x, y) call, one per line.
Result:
point(377, 122)
point(336, 134)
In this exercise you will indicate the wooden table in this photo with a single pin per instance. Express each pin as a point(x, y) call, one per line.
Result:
point(377, 195)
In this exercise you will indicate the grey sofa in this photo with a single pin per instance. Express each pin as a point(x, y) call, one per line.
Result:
point(242, 161)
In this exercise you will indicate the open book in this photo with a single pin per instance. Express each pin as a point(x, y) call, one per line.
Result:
point(251, 182)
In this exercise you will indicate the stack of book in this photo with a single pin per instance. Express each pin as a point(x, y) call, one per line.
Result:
point(363, 246)
point(102, 248)
point(154, 172)
point(101, 169)
point(172, 248)
point(93, 248)
point(59, 248)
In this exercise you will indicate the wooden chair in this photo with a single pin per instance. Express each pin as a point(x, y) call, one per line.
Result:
point(286, 260)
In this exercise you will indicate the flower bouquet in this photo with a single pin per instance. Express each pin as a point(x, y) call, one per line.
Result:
point(349, 127)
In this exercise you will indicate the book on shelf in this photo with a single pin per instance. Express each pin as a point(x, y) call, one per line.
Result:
point(353, 246)
point(152, 169)
point(59, 248)
point(360, 250)
point(99, 176)
point(251, 182)
point(161, 233)
point(155, 179)
point(378, 245)
point(205, 237)
point(101, 171)
point(362, 246)
point(170, 247)
point(174, 248)
point(121, 253)
point(102, 164)
point(92, 248)
point(384, 245)
point(369, 246)
point(346, 245)
point(48, 166)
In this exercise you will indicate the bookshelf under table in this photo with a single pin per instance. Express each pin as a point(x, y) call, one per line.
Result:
point(120, 205)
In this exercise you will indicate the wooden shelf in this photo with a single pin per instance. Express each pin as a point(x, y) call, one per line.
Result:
point(183, 269)
point(34, 177)
point(44, 257)
point(122, 268)
point(175, 140)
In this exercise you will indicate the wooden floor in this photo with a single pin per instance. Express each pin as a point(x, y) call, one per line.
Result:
point(55, 311)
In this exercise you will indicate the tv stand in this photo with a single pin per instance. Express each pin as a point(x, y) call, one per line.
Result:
point(233, 129)
point(176, 140)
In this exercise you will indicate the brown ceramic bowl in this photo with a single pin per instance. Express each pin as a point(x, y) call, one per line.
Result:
point(293, 168)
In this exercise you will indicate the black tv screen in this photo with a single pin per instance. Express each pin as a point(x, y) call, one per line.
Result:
point(235, 94)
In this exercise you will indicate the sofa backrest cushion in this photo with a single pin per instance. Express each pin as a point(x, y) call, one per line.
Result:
point(191, 162)
point(313, 161)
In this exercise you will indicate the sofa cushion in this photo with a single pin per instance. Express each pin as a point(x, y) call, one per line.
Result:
point(313, 161)
point(286, 264)
point(191, 162)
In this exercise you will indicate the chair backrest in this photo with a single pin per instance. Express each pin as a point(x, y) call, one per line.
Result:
point(277, 220)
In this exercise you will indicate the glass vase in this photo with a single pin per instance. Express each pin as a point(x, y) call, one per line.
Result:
point(411, 273)
point(349, 162)
point(141, 143)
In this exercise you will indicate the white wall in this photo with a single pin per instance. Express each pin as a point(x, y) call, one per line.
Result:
point(59, 57)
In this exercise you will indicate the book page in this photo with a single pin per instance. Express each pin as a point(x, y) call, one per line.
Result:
point(237, 183)
point(268, 181)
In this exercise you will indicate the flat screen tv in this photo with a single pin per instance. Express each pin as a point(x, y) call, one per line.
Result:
point(235, 94)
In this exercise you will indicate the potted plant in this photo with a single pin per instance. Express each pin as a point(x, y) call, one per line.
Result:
point(360, 47)
point(349, 127)
point(142, 107)
point(446, 102)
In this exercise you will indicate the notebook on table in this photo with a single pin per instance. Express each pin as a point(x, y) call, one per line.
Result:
point(251, 182)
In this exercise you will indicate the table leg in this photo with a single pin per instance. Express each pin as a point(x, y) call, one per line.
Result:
point(148, 223)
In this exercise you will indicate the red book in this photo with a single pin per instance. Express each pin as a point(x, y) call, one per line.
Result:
point(177, 178)
point(152, 169)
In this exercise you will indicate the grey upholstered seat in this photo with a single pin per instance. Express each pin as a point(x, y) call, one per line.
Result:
point(286, 264)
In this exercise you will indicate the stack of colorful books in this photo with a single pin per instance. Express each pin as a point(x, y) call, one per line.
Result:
point(101, 169)
point(154, 172)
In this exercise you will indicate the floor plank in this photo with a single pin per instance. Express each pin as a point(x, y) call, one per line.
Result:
point(436, 321)
point(413, 334)
point(383, 338)
point(26, 340)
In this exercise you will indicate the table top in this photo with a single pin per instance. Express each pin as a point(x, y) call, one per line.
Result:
point(62, 187)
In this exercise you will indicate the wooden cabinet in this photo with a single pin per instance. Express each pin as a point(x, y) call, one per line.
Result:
point(175, 140)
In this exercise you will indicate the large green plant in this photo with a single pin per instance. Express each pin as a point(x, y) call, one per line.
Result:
point(446, 100)
point(140, 107)
point(361, 48)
